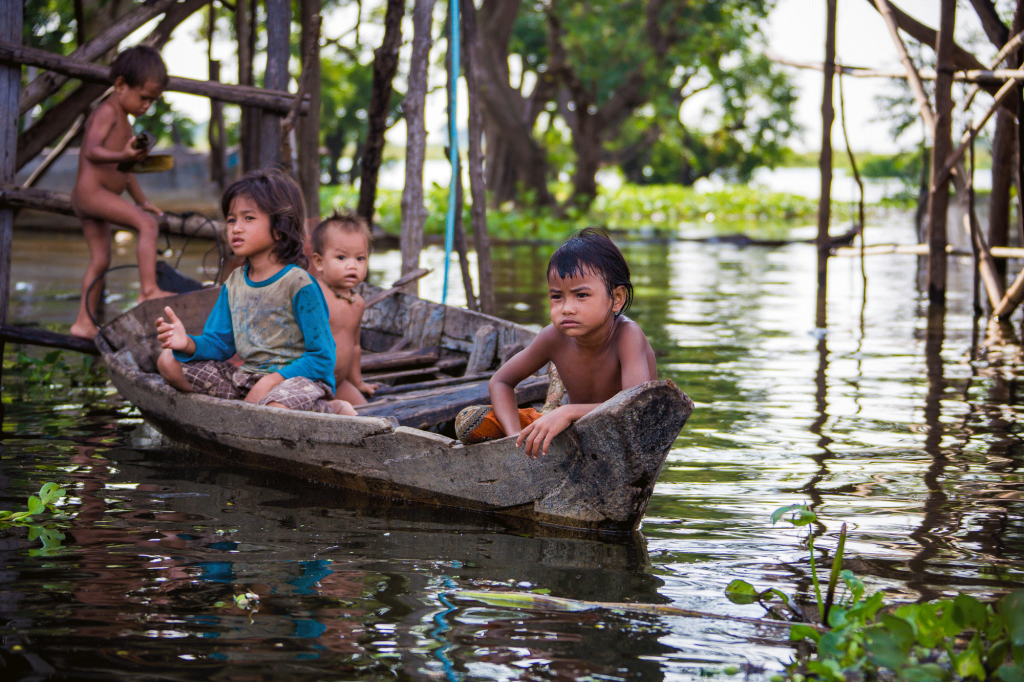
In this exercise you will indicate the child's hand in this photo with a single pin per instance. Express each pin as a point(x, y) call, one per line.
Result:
point(538, 435)
point(149, 207)
point(132, 154)
point(367, 388)
point(171, 331)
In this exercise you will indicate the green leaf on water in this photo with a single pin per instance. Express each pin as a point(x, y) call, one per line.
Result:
point(883, 649)
point(801, 631)
point(742, 592)
point(51, 358)
point(50, 493)
point(782, 511)
point(1011, 611)
point(968, 612)
point(926, 672)
point(35, 505)
point(968, 663)
point(1010, 673)
point(901, 631)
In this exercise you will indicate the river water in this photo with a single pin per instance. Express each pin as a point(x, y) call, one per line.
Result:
point(903, 426)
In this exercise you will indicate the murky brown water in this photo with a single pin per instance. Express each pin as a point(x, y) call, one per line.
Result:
point(903, 427)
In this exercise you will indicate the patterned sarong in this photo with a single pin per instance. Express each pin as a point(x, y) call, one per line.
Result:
point(224, 380)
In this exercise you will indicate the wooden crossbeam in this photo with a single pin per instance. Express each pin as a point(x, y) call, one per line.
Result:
point(268, 100)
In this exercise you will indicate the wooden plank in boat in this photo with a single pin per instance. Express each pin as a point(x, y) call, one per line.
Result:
point(404, 358)
point(442, 365)
point(422, 409)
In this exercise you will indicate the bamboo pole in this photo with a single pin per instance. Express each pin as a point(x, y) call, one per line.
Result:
point(414, 213)
point(269, 99)
point(15, 197)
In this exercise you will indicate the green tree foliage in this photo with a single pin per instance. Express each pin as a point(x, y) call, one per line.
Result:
point(618, 77)
point(50, 25)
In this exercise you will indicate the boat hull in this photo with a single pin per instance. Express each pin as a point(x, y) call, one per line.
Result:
point(598, 474)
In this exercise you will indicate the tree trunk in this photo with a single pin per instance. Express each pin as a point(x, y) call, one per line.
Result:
point(825, 160)
point(385, 64)
point(275, 77)
point(513, 155)
point(309, 127)
point(335, 144)
point(938, 195)
point(414, 213)
point(477, 185)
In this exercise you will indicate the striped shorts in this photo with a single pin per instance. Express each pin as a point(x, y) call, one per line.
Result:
point(223, 380)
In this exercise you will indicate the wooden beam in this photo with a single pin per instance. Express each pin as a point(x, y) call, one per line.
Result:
point(42, 337)
point(908, 64)
point(269, 99)
point(13, 196)
point(922, 250)
point(375, 362)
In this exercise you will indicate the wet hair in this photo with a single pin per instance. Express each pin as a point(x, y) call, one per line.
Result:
point(590, 250)
point(346, 221)
point(139, 64)
point(279, 196)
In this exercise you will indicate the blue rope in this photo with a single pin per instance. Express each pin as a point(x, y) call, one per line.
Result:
point(453, 146)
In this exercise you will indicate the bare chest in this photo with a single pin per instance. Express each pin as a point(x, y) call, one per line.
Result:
point(591, 379)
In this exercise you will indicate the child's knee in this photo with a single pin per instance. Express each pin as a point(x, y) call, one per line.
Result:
point(147, 224)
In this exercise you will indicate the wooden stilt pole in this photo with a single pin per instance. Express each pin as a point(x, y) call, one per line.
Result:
point(477, 182)
point(938, 192)
point(275, 77)
point(309, 127)
point(249, 123)
point(10, 91)
point(825, 160)
point(414, 213)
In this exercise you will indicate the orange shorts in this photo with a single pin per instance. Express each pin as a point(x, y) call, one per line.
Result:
point(478, 423)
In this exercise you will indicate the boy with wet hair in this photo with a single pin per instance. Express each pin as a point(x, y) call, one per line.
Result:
point(596, 349)
point(341, 254)
point(139, 77)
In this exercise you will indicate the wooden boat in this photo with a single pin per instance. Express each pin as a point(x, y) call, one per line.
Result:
point(598, 474)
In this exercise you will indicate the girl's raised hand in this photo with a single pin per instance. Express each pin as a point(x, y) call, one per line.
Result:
point(171, 331)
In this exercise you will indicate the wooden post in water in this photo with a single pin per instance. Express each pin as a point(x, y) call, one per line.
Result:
point(825, 159)
point(249, 123)
point(10, 91)
point(414, 213)
point(275, 77)
point(308, 138)
point(938, 191)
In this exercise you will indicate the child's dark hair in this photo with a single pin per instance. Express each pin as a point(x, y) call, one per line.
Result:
point(590, 250)
point(138, 64)
point(346, 221)
point(279, 196)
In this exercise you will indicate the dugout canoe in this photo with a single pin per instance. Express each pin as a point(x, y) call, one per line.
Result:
point(598, 474)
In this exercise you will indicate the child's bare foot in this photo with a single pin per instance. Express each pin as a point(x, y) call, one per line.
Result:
point(84, 330)
point(343, 407)
point(156, 293)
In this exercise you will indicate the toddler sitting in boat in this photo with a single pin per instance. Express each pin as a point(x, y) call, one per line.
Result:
point(270, 311)
point(596, 349)
point(341, 255)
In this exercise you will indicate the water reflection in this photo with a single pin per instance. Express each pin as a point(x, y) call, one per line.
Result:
point(902, 424)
